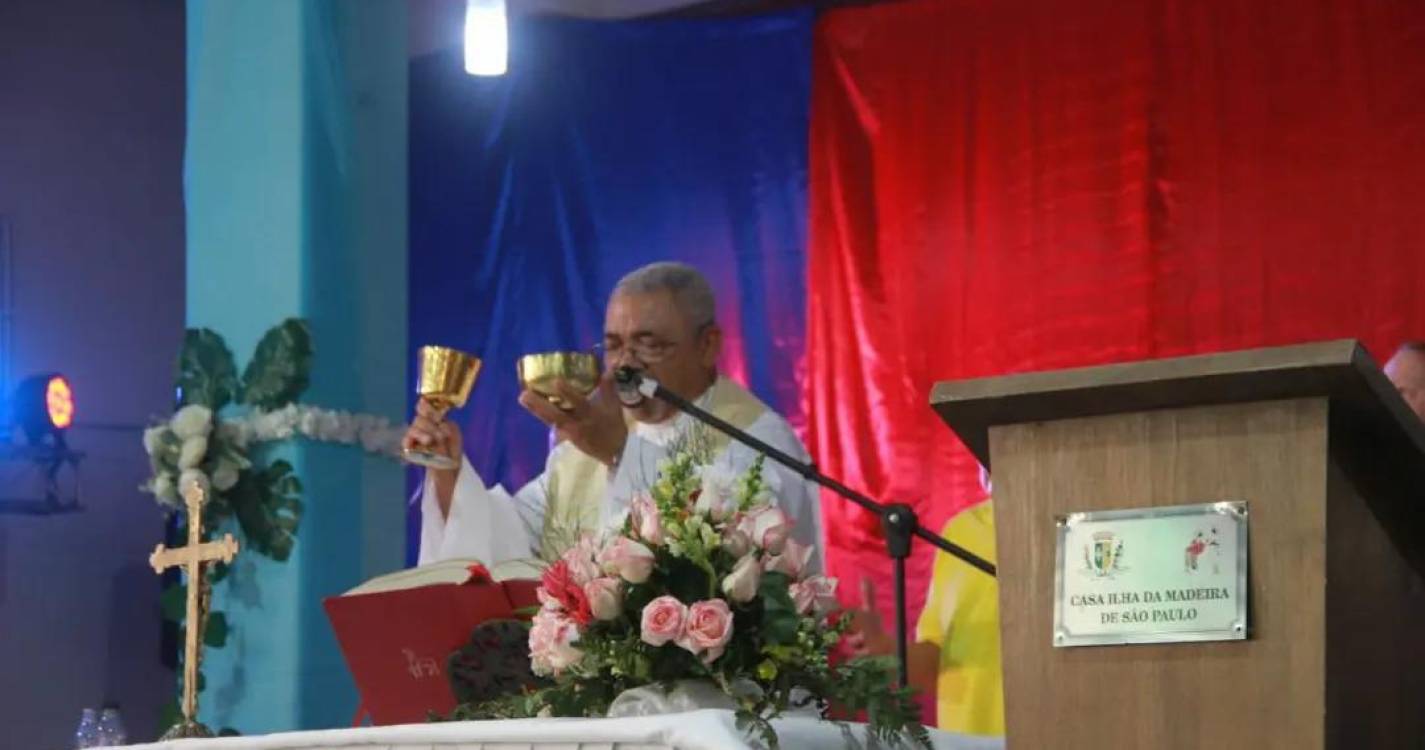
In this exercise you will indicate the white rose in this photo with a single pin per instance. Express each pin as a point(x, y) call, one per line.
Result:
point(225, 476)
point(768, 528)
point(605, 598)
point(792, 561)
point(194, 449)
point(153, 438)
point(164, 489)
point(741, 584)
point(191, 477)
point(736, 542)
point(192, 421)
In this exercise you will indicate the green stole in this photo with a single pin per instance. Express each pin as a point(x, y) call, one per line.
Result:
point(577, 483)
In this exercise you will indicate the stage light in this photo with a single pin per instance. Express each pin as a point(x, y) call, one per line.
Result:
point(487, 38)
point(59, 402)
point(44, 407)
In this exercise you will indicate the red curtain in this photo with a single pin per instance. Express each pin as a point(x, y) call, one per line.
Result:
point(1012, 185)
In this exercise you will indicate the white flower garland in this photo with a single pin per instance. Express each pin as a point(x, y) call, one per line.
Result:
point(374, 434)
point(179, 448)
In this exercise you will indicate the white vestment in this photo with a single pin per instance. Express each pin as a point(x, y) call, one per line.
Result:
point(490, 525)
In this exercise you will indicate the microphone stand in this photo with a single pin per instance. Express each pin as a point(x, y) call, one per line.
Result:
point(898, 519)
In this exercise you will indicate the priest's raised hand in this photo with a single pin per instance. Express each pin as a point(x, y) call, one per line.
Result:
point(430, 431)
point(594, 425)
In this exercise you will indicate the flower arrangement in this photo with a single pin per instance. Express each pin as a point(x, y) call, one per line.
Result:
point(704, 582)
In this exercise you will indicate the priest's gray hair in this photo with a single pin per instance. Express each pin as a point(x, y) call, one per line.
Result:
point(691, 290)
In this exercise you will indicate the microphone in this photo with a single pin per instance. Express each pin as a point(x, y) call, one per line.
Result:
point(627, 377)
point(629, 383)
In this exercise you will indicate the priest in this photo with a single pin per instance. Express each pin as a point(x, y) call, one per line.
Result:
point(661, 321)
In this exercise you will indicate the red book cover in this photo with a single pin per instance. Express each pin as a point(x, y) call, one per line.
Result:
point(396, 642)
point(520, 592)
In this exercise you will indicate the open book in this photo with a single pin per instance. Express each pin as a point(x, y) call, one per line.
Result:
point(448, 571)
point(398, 631)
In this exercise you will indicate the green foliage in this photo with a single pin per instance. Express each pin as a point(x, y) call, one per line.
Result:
point(278, 371)
point(686, 580)
point(780, 621)
point(173, 601)
point(206, 373)
point(171, 713)
point(215, 634)
point(275, 376)
point(173, 605)
point(268, 506)
point(867, 685)
point(752, 486)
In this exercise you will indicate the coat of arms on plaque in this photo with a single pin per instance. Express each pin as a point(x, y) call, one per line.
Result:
point(1103, 555)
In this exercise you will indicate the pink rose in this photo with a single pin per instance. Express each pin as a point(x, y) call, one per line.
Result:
point(551, 643)
point(629, 559)
point(803, 597)
point(580, 559)
point(708, 629)
point(741, 584)
point(768, 528)
point(646, 520)
point(662, 620)
point(605, 598)
point(792, 561)
point(815, 593)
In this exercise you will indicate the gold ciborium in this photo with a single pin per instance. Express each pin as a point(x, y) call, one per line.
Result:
point(447, 375)
point(539, 372)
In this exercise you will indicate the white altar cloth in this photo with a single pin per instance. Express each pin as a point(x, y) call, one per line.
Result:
point(695, 730)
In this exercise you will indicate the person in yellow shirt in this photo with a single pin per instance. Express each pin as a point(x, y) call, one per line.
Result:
point(956, 653)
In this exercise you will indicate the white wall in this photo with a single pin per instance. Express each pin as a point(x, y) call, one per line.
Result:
point(91, 138)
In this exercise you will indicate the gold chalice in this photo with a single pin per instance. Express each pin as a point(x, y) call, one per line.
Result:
point(447, 375)
point(539, 373)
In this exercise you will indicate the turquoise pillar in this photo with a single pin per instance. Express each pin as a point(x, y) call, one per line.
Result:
point(295, 188)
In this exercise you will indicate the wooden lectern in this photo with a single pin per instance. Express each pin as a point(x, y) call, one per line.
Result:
point(1332, 463)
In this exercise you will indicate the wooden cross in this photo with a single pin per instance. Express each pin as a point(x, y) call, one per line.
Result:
point(192, 558)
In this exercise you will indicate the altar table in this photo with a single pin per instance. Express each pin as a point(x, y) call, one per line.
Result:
point(694, 730)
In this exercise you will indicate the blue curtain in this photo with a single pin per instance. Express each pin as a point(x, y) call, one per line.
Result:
point(607, 146)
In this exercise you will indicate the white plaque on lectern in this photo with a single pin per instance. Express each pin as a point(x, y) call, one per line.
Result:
point(1151, 575)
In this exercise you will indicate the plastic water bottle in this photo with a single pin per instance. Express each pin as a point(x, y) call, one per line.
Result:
point(111, 728)
point(87, 735)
